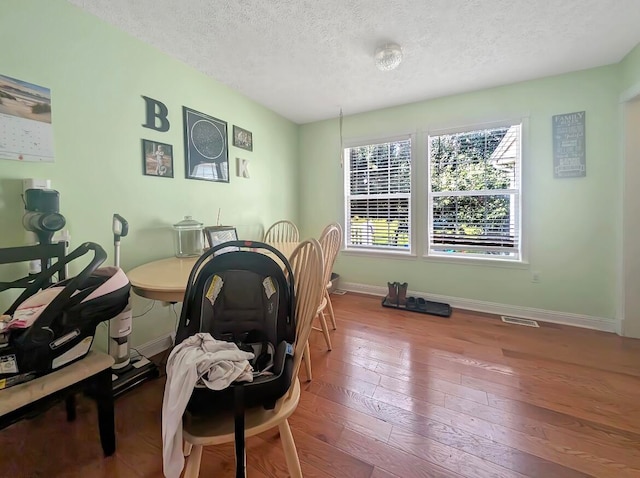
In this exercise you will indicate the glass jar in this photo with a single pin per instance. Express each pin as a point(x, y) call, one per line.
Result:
point(188, 237)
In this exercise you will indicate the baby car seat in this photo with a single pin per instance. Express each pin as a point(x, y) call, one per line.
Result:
point(243, 296)
point(53, 326)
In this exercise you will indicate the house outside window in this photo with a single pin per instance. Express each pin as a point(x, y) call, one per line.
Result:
point(474, 196)
point(378, 196)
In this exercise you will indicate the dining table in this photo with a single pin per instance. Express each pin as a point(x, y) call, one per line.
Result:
point(166, 279)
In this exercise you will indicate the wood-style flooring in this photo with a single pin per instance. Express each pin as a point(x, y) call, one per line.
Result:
point(401, 395)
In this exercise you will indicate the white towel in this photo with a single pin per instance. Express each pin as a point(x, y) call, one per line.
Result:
point(199, 358)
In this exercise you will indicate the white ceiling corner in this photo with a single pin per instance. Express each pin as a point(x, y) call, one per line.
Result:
point(306, 59)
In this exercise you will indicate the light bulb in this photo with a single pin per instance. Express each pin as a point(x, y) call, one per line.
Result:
point(388, 57)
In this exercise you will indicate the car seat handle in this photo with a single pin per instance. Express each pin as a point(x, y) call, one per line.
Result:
point(43, 277)
point(55, 307)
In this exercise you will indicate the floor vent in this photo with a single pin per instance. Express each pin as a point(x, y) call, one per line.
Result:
point(519, 321)
point(339, 292)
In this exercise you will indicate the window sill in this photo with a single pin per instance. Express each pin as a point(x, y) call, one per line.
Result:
point(463, 261)
point(475, 261)
point(380, 254)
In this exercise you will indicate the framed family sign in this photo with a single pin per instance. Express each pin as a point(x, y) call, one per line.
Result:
point(569, 155)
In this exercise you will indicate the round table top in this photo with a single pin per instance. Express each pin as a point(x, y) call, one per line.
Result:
point(166, 279)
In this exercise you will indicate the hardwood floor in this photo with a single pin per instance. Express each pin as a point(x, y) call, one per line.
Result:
point(400, 395)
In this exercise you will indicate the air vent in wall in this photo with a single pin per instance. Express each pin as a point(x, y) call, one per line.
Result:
point(519, 321)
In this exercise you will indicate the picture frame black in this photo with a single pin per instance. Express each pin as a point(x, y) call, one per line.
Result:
point(157, 159)
point(206, 148)
point(242, 138)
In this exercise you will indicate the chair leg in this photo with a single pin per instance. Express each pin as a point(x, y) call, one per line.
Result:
point(70, 404)
point(193, 462)
point(325, 330)
point(290, 452)
point(186, 450)
point(307, 361)
point(106, 411)
point(331, 314)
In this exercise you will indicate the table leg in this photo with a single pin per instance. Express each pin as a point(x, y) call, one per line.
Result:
point(106, 413)
point(70, 403)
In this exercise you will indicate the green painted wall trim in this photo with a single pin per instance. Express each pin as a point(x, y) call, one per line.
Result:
point(97, 75)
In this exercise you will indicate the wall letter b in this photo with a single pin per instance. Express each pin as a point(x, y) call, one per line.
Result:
point(156, 110)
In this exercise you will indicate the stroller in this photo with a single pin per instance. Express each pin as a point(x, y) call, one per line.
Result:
point(48, 327)
point(244, 297)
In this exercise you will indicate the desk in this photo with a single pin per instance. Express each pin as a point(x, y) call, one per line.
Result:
point(166, 279)
point(93, 372)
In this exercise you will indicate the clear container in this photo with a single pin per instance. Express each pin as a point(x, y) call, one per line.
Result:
point(188, 237)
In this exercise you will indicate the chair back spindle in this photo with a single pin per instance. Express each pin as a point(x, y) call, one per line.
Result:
point(330, 241)
point(282, 231)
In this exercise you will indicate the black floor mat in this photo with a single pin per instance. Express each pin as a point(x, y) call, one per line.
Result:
point(424, 306)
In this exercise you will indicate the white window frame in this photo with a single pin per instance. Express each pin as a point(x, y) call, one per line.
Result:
point(519, 257)
point(365, 249)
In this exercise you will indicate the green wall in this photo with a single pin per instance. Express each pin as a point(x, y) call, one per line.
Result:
point(630, 66)
point(570, 232)
point(97, 75)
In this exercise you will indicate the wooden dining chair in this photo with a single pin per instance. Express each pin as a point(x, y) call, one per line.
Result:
point(330, 243)
point(282, 231)
point(306, 263)
point(330, 240)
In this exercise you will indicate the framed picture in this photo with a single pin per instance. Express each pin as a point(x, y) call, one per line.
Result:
point(206, 150)
point(242, 138)
point(157, 159)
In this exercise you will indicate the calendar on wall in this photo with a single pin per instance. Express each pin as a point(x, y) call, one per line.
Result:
point(26, 133)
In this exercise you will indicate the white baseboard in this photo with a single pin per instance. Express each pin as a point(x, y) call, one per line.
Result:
point(566, 318)
point(164, 342)
point(157, 345)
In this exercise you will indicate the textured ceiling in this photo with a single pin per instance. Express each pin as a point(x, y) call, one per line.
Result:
point(306, 59)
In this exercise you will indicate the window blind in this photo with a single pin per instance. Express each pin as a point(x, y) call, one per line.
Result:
point(474, 193)
point(378, 196)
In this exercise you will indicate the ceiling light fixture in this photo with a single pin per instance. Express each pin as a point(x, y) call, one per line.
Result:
point(388, 57)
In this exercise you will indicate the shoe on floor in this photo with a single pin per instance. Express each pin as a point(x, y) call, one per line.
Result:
point(411, 303)
point(392, 296)
point(402, 293)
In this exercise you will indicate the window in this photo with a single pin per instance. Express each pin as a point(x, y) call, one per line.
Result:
point(474, 194)
point(378, 196)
